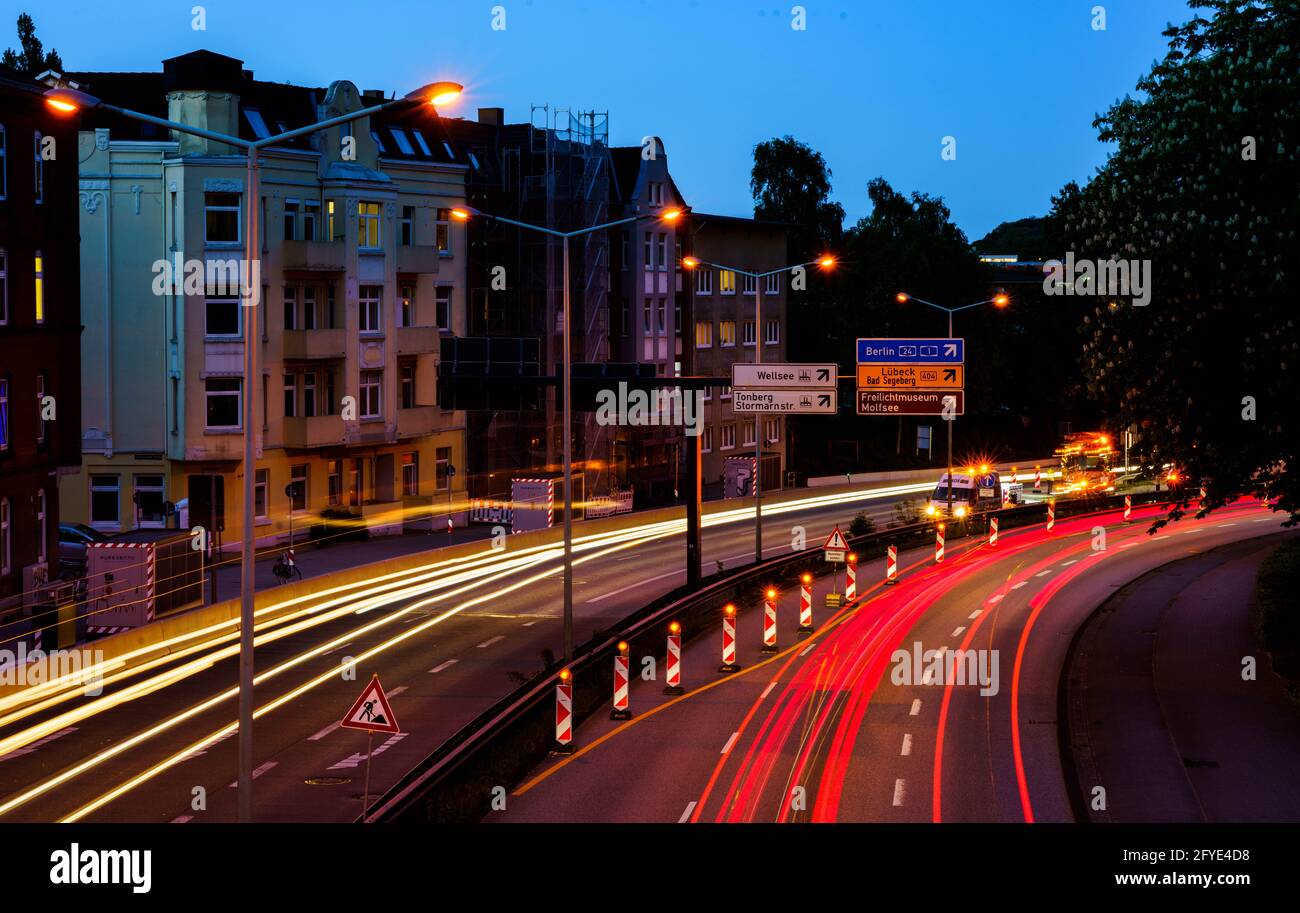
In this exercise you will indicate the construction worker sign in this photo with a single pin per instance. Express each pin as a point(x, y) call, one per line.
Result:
point(371, 711)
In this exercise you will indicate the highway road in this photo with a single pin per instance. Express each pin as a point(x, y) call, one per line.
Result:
point(849, 727)
point(447, 641)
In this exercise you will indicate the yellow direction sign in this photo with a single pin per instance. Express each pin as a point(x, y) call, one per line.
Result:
point(911, 377)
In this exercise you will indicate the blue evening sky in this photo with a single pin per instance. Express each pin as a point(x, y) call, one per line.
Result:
point(875, 85)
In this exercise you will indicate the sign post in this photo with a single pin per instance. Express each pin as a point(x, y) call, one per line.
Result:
point(371, 713)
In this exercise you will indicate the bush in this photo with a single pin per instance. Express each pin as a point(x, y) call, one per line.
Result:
point(1276, 618)
point(862, 525)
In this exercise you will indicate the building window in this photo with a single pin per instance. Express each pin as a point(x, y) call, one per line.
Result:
point(442, 469)
point(419, 139)
point(771, 332)
point(329, 223)
point(408, 386)
point(290, 394)
point(442, 237)
point(309, 307)
point(772, 284)
point(411, 474)
point(221, 217)
point(368, 234)
point(703, 280)
point(260, 486)
point(223, 403)
point(703, 334)
point(4, 273)
point(290, 307)
point(728, 436)
point(4, 163)
point(255, 120)
point(749, 332)
point(222, 315)
point(406, 307)
point(298, 489)
point(148, 500)
point(647, 251)
point(104, 501)
point(4, 413)
point(726, 282)
point(4, 536)
point(408, 223)
point(656, 192)
point(40, 288)
point(290, 220)
point(647, 318)
point(371, 389)
point(663, 316)
point(725, 394)
point(309, 394)
point(310, 210)
point(772, 430)
point(41, 530)
point(706, 445)
point(749, 434)
point(39, 178)
point(40, 407)
point(403, 144)
point(334, 482)
point(749, 284)
point(624, 250)
point(368, 308)
point(442, 307)
point(661, 251)
point(727, 333)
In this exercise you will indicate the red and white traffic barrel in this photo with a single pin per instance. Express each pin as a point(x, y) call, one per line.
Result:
point(1051, 515)
point(805, 605)
point(674, 685)
point(729, 663)
point(622, 704)
point(1128, 507)
point(891, 564)
point(1038, 478)
point(564, 713)
point(851, 577)
point(769, 621)
point(993, 530)
point(938, 544)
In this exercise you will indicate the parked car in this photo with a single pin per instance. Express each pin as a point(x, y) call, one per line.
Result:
point(73, 539)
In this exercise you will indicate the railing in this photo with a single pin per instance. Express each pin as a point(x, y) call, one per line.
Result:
point(500, 746)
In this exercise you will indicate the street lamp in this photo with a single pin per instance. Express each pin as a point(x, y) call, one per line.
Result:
point(825, 262)
point(67, 101)
point(464, 214)
point(999, 301)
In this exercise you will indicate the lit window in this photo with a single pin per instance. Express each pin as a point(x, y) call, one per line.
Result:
point(726, 282)
point(40, 288)
point(727, 333)
point(368, 234)
point(406, 311)
point(703, 334)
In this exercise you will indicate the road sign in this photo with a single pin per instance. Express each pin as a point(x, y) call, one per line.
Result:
point(909, 402)
point(371, 711)
point(779, 376)
point(835, 546)
point(911, 351)
point(789, 402)
point(911, 377)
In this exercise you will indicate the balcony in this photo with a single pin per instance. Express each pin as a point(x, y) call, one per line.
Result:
point(417, 259)
point(313, 431)
point(314, 344)
point(417, 422)
point(418, 340)
point(313, 255)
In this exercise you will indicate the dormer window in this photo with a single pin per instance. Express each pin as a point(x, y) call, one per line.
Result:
point(419, 141)
point(404, 144)
point(254, 118)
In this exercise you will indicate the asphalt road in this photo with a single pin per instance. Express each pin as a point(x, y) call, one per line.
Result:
point(840, 729)
point(160, 745)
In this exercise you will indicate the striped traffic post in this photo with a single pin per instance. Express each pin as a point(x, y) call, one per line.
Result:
point(1128, 507)
point(1006, 492)
point(851, 577)
point(891, 564)
point(1038, 478)
point(805, 606)
point(564, 713)
point(1051, 514)
point(729, 663)
point(1202, 504)
point(993, 530)
point(674, 685)
point(622, 705)
point(938, 544)
point(769, 621)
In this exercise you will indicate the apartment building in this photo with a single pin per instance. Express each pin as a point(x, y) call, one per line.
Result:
point(725, 330)
point(361, 276)
point(39, 329)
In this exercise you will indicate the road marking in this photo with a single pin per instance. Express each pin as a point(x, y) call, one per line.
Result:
point(355, 759)
point(1042, 573)
point(731, 741)
point(916, 707)
point(448, 664)
point(975, 614)
point(529, 624)
point(767, 690)
point(808, 649)
point(996, 597)
point(490, 641)
point(324, 732)
point(1016, 586)
point(928, 677)
point(686, 815)
point(337, 649)
point(398, 690)
point(181, 819)
point(1227, 524)
point(1128, 545)
point(257, 772)
point(28, 749)
point(635, 586)
point(415, 618)
point(958, 631)
point(907, 744)
point(900, 791)
point(1070, 562)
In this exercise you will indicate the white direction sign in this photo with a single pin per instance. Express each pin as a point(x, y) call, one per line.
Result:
point(780, 376)
point(788, 402)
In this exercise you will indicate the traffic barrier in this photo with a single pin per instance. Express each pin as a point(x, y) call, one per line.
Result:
point(993, 530)
point(938, 544)
point(729, 663)
point(805, 605)
point(851, 577)
point(1051, 515)
point(1038, 478)
point(891, 564)
point(769, 621)
point(674, 685)
point(622, 702)
point(564, 713)
point(1128, 507)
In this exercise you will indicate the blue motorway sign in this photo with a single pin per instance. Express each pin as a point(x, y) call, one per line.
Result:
point(911, 351)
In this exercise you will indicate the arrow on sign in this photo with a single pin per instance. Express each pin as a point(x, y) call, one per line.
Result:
point(824, 399)
point(824, 374)
point(950, 374)
point(950, 349)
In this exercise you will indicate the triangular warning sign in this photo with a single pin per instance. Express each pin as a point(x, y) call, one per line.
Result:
point(836, 541)
point(371, 711)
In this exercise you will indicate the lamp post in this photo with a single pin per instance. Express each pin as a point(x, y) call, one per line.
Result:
point(999, 301)
point(825, 262)
point(67, 101)
point(668, 215)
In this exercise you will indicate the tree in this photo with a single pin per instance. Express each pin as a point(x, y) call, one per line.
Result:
point(1203, 184)
point(32, 59)
point(791, 183)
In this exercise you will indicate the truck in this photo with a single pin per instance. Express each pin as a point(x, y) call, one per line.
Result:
point(973, 491)
point(1087, 461)
point(133, 577)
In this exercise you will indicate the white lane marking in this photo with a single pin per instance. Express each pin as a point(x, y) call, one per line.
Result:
point(916, 707)
point(808, 649)
point(1227, 524)
point(767, 691)
point(907, 744)
point(1042, 573)
point(337, 649)
point(28, 749)
point(1129, 544)
point(490, 641)
point(976, 614)
point(257, 772)
point(529, 624)
point(996, 597)
point(1016, 586)
point(731, 741)
point(900, 791)
point(928, 677)
point(686, 815)
point(959, 631)
point(1070, 562)
point(181, 819)
point(324, 732)
point(354, 760)
point(417, 617)
point(398, 690)
point(635, 586)
point(447, 665)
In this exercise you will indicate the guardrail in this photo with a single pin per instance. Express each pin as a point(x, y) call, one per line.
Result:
point(503, 744)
